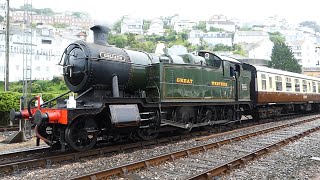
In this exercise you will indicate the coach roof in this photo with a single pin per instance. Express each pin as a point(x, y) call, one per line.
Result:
point(285, 73)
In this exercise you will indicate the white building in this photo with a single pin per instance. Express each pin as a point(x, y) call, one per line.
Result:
point(3, 8)
point(220, 22)
point(250, 36)
point(225, 25)
point(182, 25)
point(156, 27)
point(44, 47)
point(258, 50)
point(305, 52)
point(132, 25)
point(212, 38)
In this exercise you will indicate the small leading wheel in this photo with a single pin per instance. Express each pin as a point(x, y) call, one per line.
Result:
point(81, 134)
point(46, 132)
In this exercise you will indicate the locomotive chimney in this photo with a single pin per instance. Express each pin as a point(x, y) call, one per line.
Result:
point(100, 34)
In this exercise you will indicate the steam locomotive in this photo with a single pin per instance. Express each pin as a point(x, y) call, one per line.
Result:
point(132, 94)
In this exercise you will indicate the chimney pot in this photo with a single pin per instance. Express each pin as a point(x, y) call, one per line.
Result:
point(100, 34)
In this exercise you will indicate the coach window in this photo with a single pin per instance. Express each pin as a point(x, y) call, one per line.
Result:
point(297, 85)
point(314, 87)
point(318, 87)
point(264, 81)
point(304, 86)
point(288, 84)
point(278, 83)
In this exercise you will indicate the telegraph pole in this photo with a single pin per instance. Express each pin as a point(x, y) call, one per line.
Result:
point(6, 86)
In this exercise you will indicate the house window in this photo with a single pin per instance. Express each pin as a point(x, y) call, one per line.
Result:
point(297, 85)
point(288, 84)
point(304, 86)
point(43, 41)
point(264, 81)
point(314, 87)
point(278, 83)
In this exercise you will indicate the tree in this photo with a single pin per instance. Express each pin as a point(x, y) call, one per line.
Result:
point(59, 25)
point(146, 25)
point(203, 45)
point(213, 29)
point(118, 40)
point(183, 36)
point(117, 26)
point(283, 58)
point(131, 40)
point(245, 28)
point(237, 49)
point(311, 24)
point(45, 11)
point(27, 7)
point(77, 14)
point(221, 47)
point(201, 26)
point(277, 37)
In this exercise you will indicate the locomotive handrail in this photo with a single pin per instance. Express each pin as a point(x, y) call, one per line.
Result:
point(54, 99)
point(65, 51)
point(29, 105)
point(84, 93)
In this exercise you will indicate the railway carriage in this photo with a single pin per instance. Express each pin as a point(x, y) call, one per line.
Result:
point(277, 92)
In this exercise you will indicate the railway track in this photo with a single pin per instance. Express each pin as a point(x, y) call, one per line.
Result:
point(9, 128)
point(210, 159)
point(12, 162)
point(14, 156)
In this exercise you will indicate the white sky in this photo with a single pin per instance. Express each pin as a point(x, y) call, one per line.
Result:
point(107, 12)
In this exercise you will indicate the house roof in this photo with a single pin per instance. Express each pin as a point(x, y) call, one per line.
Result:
point(82, 34)
point(251, 33)
point(221, 22)
point(297, 43)
point(250, 46)
point(286, 73)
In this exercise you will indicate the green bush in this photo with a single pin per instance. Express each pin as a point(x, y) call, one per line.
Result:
point(36, 88)
point(4, 118)
point(8, 100)
point(17, 88)
point(63, 87)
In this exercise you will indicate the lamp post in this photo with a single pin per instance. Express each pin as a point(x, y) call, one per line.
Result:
point(6, 86)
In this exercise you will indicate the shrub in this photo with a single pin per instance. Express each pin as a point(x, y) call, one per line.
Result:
point(8, 101)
